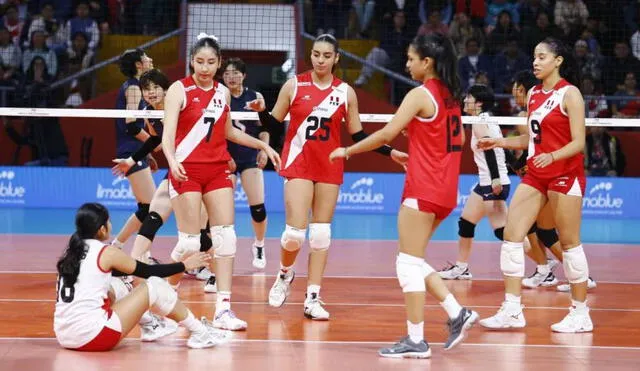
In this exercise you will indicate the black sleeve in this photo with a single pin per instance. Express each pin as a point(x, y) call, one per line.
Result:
point(269, 123)
point(133, 129)
point(361, 135)
point(159, 270)
point(492, 162)
point(148, 147)
point(117, 273)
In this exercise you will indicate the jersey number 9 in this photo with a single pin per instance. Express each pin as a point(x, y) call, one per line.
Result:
point(537, 130)
point(316, 125)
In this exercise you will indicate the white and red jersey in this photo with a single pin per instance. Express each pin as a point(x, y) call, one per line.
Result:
point(83, 309)
point(549, 130)
point(200, 138)
point(316, 116)
point(435, 150)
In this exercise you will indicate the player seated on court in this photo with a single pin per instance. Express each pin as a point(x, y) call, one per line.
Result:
point(94, 310)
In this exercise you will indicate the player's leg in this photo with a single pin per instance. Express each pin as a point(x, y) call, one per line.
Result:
point(253, 185)
point(544, 236)
point(523, 210)
point(472, 213)
point(143, 188)
point(186, 207)
point(298, 198)
point(159, 211)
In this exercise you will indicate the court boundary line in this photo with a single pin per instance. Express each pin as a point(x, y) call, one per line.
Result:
point(343, 304)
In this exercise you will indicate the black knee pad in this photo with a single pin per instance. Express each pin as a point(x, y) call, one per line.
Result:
point(150, 225)
point(142, 212)
point(548, 237)
point(258, 213)
point(499, 232)
point(205, 240)
point(466, 228)
point(533, 229)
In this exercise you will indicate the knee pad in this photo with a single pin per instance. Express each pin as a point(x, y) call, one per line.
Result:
point(223, 240)
point(512, 259)
point(548, 237)
point(120, 289)
point(162, 297)
point(205, 240)
point(466, 229)
point(292, 238)
point(575, 265)
point(410, 271)
point(142, 212)
point(533, 229)
point(499, 232)
point(319, 236)
point(258, 213)
point(151, 225)
point(187, 245)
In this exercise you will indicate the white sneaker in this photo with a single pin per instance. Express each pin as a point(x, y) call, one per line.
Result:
point(281, 288)
point(574, 322)
point(454, 272)
point(505, 319)
point(227, 320)
point(553, 264)
point(201, 274)
point(157, 328)
point(259, 258)
point(313, 308)
point(538, 279)
point(211, 285)
point(565, 287)
point(209, 338)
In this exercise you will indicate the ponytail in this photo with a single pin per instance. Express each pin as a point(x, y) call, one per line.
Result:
point(69, 264)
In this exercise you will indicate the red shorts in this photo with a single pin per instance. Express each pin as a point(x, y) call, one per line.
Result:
point(202, 178)
point(440, 212)
point(572, 184)
point(108, 338)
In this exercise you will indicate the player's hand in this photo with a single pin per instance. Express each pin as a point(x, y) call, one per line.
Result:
point(232, 165)
point(177, 171)
point(542, 160)
point(153, 164)
point(496, 186)
point(338, 153)
point(273, 156)
point(262, 159)
point(257, 105)
point(122, 166)
point(489, 143)
point(197, 260)
point(400, 157)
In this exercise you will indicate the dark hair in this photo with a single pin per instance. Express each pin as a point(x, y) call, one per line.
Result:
point(525, 78)
point(569, 68)
point(127, 62)
point(89, 219)
point(237, 63)
point(483, 94)
point(154, 76)
point(205, 42)
point(440, 49)
point(329, 38)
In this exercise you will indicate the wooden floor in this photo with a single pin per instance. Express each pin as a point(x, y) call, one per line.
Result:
point(366, 309)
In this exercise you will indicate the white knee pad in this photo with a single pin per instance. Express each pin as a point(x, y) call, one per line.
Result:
point(410, 272)
point(319, 236)
point(512, 259)
point(223, 239)
point(187, 245)
point(575, 265)
point(120, 289)
point(292, 238)
point(161, 296)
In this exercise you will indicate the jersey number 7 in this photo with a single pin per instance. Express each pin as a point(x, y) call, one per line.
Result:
point(211, 122)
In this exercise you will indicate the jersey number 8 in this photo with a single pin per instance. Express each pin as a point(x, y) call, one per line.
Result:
point(66, 293)
point(316, 125)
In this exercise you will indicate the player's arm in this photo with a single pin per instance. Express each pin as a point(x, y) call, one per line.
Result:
point(482, 131)
point(574, 107)
point(172, 103)
point(354, 126)
point(133, 95)
point(240, 137)
point(273, 121)
point(263, 135)
point(113, 258)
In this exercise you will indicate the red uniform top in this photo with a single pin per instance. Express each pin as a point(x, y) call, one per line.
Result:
point(435, 150)
point(316, 116)
point(549, 130)
point(201, 139)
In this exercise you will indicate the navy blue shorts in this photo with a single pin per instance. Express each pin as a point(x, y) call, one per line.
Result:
point(140, 165)
point(242, 166)
point(487, 193)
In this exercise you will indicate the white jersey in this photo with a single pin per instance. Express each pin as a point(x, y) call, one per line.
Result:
point(83, 309)
point(481, 161)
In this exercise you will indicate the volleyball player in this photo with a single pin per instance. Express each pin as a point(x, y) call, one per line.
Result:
point(94, 311)
point(196, 124)
point(431, 113)
point(555, 174)
point(318, 102)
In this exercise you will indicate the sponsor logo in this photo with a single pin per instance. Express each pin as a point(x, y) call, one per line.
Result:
point(361, 196)
point(601, 199)
point(239, 196)
point(118, 190)
point(306, 83)
point(11, 191)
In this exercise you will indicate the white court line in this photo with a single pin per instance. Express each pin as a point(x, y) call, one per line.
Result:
point(331, 342)
point(390, 305)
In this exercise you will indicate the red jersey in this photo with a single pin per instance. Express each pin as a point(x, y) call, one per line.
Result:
point(201, 139)
point(549, 130)
point(435, 150)
point(316, 116)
